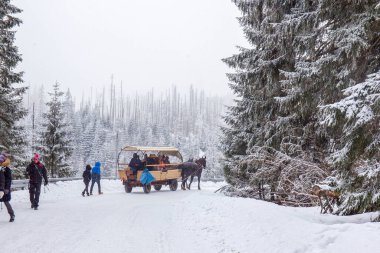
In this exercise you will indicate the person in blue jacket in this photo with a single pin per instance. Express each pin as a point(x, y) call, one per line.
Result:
point(95, 177)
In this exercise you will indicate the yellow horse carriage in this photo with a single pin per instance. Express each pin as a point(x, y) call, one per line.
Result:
point(163, 171)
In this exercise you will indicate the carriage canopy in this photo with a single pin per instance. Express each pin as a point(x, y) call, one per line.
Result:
point(170, 151)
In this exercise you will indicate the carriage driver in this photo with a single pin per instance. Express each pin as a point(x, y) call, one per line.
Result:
point(135, 163)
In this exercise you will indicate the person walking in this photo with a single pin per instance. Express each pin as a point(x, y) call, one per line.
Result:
point(36, 172)
point(2, 183)
point(2, 180)
point(86, 179)
point(7, 188)
point(95, 177)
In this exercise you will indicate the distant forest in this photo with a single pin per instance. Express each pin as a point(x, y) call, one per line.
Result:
point(106, 120)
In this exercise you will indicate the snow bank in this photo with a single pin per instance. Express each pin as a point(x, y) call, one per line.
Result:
point(181, 221)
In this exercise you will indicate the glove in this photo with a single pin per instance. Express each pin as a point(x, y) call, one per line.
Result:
point(46, 183)
point(6, 191)
point(1, 194)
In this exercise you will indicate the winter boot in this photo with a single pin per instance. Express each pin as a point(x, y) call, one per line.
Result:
point(100, 193)
point(36, 208)
point(12, 218)
point(83, 194)
point(88, 194)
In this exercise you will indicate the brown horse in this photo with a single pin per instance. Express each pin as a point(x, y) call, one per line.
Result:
point(192, 169)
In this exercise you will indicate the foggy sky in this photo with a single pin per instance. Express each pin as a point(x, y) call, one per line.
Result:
point(144, 44)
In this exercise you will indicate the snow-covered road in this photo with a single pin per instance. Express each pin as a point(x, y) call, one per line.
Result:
point(181, 221)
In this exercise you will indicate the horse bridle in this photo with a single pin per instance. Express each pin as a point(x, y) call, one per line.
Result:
point(200, 164)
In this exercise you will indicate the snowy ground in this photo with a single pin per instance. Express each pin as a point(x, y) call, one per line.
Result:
point(181, 221)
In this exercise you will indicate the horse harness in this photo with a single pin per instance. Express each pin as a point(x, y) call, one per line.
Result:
point(200, 167)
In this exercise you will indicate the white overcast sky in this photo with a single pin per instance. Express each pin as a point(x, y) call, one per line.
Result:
point(143, 43)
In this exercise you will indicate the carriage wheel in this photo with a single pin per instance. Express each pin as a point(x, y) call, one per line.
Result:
point(173, 185)
point(157, 187)
point(147, 188)
point(128, 188)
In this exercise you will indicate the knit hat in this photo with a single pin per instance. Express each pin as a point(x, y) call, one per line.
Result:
point(36, 157)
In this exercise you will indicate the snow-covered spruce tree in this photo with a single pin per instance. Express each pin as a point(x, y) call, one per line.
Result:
point(336, 67)
point(308, 101)
point(348, 118)
point(270, 143)
point(55, 147)
point(356, 155)
point(305, 54)
point(11, 110)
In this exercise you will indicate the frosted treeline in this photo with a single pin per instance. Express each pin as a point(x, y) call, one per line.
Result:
point(105, 121)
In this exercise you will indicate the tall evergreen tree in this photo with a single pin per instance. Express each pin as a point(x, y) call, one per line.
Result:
point(305, 53)
point(11, 110)
point(350, 117)
point(55, 147)
point(269, 127)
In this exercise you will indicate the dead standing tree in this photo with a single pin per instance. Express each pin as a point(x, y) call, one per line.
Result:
point(281, 178)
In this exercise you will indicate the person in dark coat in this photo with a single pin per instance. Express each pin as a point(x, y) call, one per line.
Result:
point(36, 172)
point(135, 163)
point(2, 182)
point(166, 159)
point(95, 177)
point(86, 179)
point(152, 160)
point(7, 188)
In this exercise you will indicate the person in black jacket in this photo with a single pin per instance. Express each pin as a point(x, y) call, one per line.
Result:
point(7, 188)
point(36, 171)
point(86, 179)
point(2, 182)
point(2, 175)
point(135, 163)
